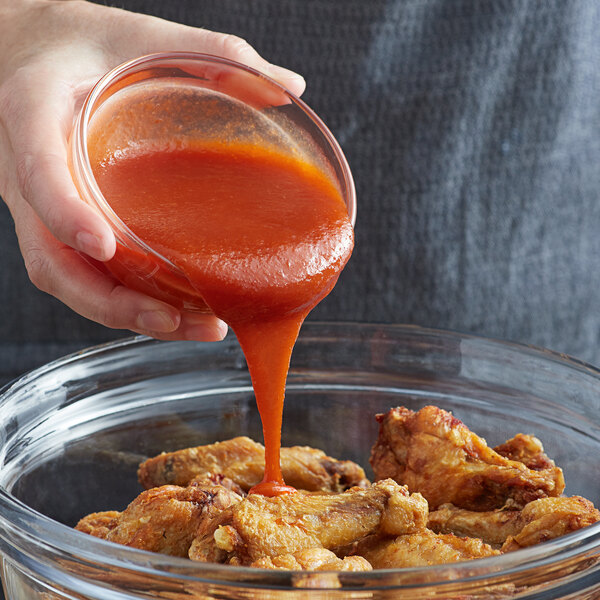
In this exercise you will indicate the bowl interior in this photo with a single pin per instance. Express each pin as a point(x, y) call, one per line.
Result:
point(77, 429)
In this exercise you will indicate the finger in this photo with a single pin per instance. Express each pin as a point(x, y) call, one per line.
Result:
point(236, 48)
point(38, 127)
point(60, 271)
point(200, 327)
point(205, 329)
point(152, 34)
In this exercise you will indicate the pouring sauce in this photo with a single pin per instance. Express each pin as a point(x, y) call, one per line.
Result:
point(262, 237)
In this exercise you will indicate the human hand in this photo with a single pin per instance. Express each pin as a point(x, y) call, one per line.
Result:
point(51, 54)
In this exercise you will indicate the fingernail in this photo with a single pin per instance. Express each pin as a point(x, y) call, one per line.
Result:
point(156, 320)
point(90, 244)
point(206, 333)
point(285, 75)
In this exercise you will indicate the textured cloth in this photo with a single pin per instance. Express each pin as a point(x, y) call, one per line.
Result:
point(473, 131)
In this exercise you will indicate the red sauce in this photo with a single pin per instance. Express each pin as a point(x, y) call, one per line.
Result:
point(261, 237)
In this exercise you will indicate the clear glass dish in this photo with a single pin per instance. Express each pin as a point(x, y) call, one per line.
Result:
point(73, 432)
point(177, 99)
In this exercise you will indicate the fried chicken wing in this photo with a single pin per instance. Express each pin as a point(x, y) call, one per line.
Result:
point(433, 452)
point(549, 518)
point(313, 559)
point(539, 520)
point(259, 526)
point(98, 524)
point(163, 519)
point(421, 549)
point(243, 460)
point(529, 450)
point(491, 526)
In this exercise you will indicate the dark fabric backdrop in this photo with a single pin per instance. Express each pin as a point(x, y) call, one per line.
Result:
point(473, 131)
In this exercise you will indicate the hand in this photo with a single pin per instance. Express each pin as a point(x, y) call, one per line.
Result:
point(51, 54)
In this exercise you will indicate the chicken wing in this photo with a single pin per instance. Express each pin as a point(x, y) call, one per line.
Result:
point(313, 559)
point(529, 450)
point(491, 526)
point(421, 549)
point(98, 524)
point(539, 520)
point(433, 452)
point(243, 460)
point(549, 518)
point(259, 526)
point(164, 519)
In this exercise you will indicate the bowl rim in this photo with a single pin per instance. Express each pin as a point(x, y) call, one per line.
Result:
point(64, 541)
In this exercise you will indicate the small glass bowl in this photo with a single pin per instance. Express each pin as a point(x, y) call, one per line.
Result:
point(73, 432)
point(177, 98)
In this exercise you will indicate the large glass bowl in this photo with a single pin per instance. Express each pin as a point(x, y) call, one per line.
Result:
point(73, 432)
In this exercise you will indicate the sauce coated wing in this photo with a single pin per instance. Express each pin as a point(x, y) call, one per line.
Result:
point(243, 460)
point(433, 452)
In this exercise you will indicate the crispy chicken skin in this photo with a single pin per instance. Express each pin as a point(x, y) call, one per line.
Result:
point(549, 518)
point(163, 519)
point(313, 559)
point(98, 524)
point(421, 550)
point(483, 502)
point(260, 527)
point(491, 526)
point(243, 460)
point(433, 452)
point(539, 520)
point(530, 451)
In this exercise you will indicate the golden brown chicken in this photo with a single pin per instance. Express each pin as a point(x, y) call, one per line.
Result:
point(501, 499)
point(433, 452)
point(259, 527)
point(243, 460)
point(549, 518)
point(491, 526)
point(164, 519)
point(529, 450)
point(538, 521)
point(99, 524)
point(313, 559)
point(421, 549)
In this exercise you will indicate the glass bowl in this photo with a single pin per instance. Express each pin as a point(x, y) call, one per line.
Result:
point(174, 99)
point(73, 432)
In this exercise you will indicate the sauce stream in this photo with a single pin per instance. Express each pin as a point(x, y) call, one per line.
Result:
point(262, 237)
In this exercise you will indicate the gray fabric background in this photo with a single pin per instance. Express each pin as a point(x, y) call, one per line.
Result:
point(473, 131)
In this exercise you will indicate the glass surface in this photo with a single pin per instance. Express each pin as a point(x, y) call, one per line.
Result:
point(73, 433)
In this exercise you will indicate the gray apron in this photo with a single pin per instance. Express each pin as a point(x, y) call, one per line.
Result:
point(473, 131)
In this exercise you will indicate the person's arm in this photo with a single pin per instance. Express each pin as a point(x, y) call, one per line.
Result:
point(51, 54)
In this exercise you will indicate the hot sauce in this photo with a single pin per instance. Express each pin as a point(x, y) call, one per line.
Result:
point(261, 236)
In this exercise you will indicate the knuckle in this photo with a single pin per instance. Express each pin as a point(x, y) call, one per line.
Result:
point(112, 313)
point(38, 269)
point(9, 92)
point(25, 169)
point(233, 46)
